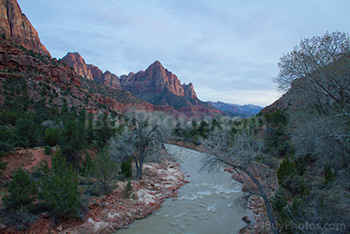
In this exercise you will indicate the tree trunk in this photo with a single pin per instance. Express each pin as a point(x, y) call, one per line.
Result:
point(263, 194)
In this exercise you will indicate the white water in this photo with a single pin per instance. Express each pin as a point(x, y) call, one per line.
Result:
point(205, 205)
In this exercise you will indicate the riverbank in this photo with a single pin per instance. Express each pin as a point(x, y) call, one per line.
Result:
point(109, 213)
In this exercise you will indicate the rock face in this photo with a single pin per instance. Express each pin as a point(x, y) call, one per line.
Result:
point(91, 72)
point(111, 80)
point(155, 80)
point(14, 25)
point(76, 61)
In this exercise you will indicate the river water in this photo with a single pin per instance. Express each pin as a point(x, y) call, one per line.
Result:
point(205, 205)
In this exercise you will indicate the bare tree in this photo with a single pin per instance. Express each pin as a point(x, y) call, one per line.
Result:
point(238, 151)
point(323, 62)
point(143, 141)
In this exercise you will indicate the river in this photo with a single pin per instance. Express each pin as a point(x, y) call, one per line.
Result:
point(205, 205)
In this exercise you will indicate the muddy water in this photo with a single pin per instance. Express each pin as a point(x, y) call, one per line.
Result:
point(205, 205)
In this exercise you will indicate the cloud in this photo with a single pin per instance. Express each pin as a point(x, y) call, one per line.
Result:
point(228, 49)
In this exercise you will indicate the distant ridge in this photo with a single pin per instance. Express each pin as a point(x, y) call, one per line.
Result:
point(237, 110)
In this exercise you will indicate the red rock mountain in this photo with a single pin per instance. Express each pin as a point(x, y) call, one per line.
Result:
point(91, 72)
point(155, 80)
point(156, 85)
point(14, 25)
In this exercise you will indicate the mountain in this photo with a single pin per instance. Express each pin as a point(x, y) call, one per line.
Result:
point(156, 80)
point(91, 72)
point(14, 25)
point(237, 110)
point(30, 78)
point(156, 85)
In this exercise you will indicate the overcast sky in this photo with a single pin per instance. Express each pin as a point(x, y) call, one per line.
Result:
point(228, 49)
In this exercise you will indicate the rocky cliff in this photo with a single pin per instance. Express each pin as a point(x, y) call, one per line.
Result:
point(76, 61)
point(156, 80)
point(91, 72)
point(14, 25)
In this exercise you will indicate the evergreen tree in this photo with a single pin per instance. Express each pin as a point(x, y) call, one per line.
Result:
point(22, 191)
point(59, 187)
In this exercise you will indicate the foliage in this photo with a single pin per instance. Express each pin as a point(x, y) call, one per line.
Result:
point(20, 219)
point(329, 174)
point(126, 168)
point(279, 200)
point(292, 214)
point(48, 150)
point(106, 170)
point(52, 137)
point(128, 189)
point(104, 129)
point(88, 166)
point(27, 133)
point(72, 141)
point(59, 187)
point(23, 191)
point(286, 172)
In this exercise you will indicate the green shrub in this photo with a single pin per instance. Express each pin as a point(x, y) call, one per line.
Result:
point(126, 168)
point(106, 170)
point(59, 187)
point(329, 174)
point(286, 172)
point(48, 150)
point(88, 166)
point(20, 219)
point(279, 200)
point(26, 132)
point(128, 189)
point(22, 191)
point(52, 137)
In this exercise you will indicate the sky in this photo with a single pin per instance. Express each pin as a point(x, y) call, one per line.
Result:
point(228, 49)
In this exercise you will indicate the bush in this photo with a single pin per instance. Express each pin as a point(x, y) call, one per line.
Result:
point(279, 200)
point(27, 132)
point(59, 187)
point(48, 150)
point(128, 189)
point(126, 168)
point(88, 166)
point(51, 137)
point(106, 170)
point(22, 191)
point(286, 172)
point(20, 219)
point(329, 174)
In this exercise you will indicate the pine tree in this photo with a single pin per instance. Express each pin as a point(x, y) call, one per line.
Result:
point(22, 191)
point(59, 187)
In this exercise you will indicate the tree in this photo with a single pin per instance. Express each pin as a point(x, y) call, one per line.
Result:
point(238, 151)
point(26, 132)
point(323, 62)
point(59, 187)
point(106, 169)
point(72, 141)
point(143, 141)
point(23, 191)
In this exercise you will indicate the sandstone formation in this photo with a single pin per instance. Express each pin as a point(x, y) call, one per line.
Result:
point(15, 26)
point(91, 72)
point(155, 80)
point(76, 61)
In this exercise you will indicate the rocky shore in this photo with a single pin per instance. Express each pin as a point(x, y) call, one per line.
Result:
point(112, 212)
point(257, 222)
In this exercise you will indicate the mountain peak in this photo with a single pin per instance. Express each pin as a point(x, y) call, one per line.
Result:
point(16, 26)
point(156, 80)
